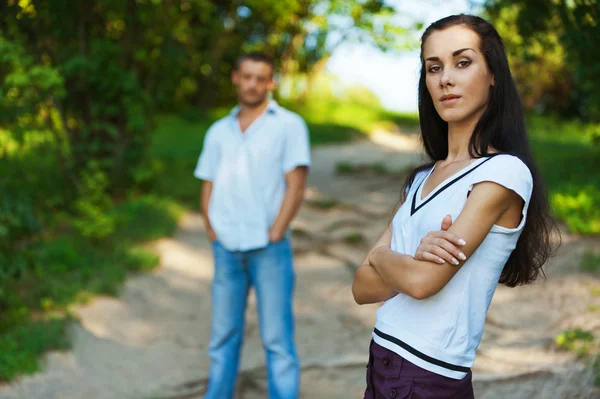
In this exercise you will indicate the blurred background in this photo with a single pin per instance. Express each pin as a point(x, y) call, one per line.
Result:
point(104, 105)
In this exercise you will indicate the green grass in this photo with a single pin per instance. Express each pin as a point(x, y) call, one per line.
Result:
point(324, 203)
point(578, 341)
point(175, 147)
point(353, 238)
point(377, 168)
point(344, 168)
point(583, 344)
point(570, 165)
point(596, 369)
point(590, 262)
point(355, 115)
point(23, 345)
point(70, 268)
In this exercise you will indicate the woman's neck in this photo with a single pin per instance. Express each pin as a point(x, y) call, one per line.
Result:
point(458, 144)
point(459, 136)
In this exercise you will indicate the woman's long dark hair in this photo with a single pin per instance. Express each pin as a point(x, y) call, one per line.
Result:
point(502, 127)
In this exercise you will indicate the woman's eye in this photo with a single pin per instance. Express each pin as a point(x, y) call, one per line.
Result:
point(434, 68)
point(463, 64)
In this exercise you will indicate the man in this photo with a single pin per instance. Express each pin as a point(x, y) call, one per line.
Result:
point(253, 166)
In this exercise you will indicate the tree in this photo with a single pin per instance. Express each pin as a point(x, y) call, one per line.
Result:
point(555, 38)
point(91, 73)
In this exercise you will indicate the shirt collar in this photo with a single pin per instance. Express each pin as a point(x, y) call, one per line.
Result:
point(272, 108)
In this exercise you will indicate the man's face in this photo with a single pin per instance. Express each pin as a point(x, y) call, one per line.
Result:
point(253, 82)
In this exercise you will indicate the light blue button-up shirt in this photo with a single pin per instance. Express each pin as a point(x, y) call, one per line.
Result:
point(248, 173)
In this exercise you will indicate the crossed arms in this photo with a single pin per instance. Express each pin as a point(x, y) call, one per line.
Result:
point(384, 273)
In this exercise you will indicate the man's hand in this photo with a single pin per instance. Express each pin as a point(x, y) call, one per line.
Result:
point(212, 236)
point(204, 200)
point(441, 246)
point(276, 234)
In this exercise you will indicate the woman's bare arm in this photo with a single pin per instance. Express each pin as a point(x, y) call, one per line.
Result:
point(422, 279)
point(368, 286)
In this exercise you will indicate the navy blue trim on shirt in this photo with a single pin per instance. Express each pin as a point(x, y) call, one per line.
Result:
point(414, 208)
point(420, 355)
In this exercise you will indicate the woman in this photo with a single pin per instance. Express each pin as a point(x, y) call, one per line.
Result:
point(477, 214)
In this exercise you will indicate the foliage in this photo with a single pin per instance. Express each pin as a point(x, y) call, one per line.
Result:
point(578, 341)
point(182, 52)
point(26, 343)
point(570, 166)
point(80, 82)
point(557, 38)
point(538, 63)
point(69, 268)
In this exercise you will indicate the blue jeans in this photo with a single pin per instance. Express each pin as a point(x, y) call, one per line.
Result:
point(270, 271)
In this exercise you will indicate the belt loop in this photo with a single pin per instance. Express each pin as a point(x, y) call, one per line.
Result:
point(400, 361)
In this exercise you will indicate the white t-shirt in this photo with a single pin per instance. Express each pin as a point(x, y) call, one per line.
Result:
point(441, 333)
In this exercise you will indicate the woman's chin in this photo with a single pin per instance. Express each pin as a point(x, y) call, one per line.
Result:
point(451, 116)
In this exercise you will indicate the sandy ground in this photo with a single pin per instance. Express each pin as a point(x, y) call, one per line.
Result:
point(150, 342)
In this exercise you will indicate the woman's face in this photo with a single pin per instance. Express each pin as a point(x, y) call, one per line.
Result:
point(457, 75)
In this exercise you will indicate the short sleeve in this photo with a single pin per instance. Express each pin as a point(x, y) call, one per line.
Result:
point(206, 168)
point(508, 171)
point(297, 145)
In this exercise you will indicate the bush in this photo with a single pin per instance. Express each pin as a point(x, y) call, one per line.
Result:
point(21, 347)
point(577, 341)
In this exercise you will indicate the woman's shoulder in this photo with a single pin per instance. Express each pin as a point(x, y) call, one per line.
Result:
point(508, 164)
point(507, 170)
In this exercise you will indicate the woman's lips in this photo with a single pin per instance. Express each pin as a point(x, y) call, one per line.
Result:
point(450, 100)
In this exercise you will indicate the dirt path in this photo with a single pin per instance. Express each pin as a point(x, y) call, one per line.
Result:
point(150, 343)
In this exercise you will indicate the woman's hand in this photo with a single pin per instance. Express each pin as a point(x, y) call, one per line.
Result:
point(441, 246)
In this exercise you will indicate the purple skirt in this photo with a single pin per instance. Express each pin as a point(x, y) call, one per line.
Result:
point(389, 375)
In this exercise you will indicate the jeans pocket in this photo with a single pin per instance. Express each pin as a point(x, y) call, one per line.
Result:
point(438, 386)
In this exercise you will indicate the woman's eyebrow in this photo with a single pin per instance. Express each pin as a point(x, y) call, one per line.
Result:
point(454, 54)
point(457, 52)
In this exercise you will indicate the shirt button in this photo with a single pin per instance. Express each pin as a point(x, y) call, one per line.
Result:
point(393, 393)
point(386, 361)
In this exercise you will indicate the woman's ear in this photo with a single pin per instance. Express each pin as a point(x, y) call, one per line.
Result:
point(493, 81)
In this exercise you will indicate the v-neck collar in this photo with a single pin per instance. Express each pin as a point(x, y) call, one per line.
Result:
point(271, 108)
point(443, 185)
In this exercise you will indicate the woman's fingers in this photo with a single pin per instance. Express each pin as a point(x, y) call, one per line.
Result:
point(441, 247)
point(450, 248)
point(429, 257)
point(446, 235)
point(440, 252)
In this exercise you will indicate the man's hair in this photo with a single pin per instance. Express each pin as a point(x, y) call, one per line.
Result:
point(256, 57)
